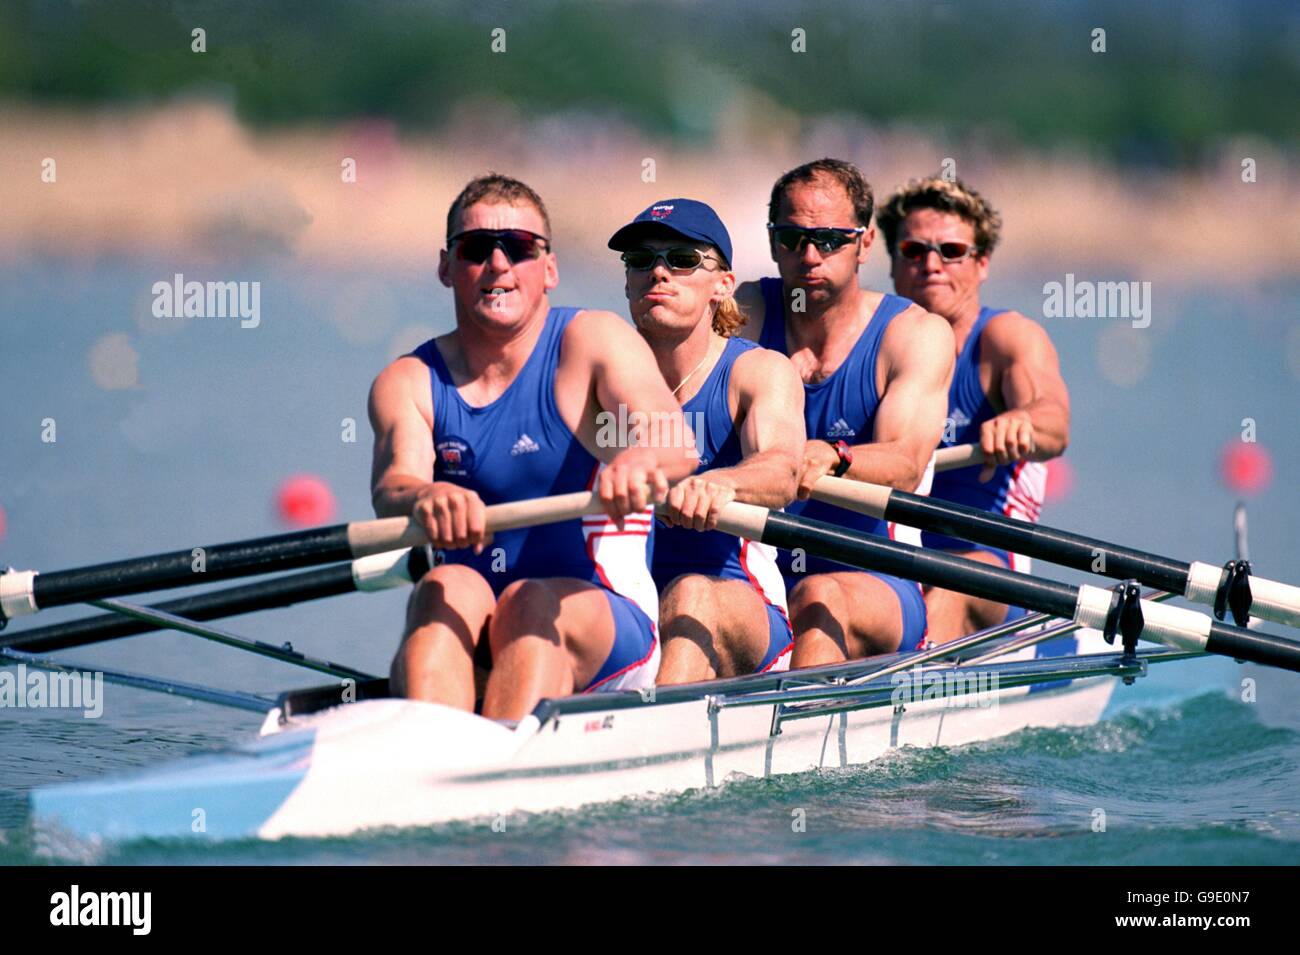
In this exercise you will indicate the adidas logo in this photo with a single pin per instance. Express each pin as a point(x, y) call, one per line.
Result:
point(525, 445)
point(840, 429)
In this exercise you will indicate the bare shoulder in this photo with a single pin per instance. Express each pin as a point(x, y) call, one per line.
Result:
point(403, 382)
point(400, 375)
point(915, 328)
point(760, 369)
point(598, 339)
point(598, 328)
point(1010, 333)
point(749, 296)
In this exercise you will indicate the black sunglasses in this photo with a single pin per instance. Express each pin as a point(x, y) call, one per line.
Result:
point(826, 240)
point(477, 245)
point(914, 250)
point(679, 258)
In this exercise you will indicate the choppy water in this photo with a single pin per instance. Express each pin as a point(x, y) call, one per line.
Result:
point(1199, 783)
point(191, 451)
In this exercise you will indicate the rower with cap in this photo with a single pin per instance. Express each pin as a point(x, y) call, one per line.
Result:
point(722, 599)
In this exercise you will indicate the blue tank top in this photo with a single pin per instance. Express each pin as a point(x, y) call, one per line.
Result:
point(1013, 489)
point(841, 408)
point(519, 447)
point(680, 550)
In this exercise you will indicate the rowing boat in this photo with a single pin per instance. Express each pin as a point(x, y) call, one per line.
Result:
point(346, 757)
point(330, 770)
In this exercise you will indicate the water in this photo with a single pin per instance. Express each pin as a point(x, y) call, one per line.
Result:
point(191, 453)
point(1201, 783)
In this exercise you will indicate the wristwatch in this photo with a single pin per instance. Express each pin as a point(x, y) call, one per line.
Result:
point(846, 458)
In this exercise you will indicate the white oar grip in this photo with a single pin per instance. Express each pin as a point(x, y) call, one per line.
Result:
point(1173, 626)
point(1276, 601)
point(382, 571)
point(18, 593)
point(1270, 599)
point(869, 499)
point(1203, 583)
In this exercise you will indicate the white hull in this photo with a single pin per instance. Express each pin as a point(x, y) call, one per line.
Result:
point(603, 756)
point(396, 763)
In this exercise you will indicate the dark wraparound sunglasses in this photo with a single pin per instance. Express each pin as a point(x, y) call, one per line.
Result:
point(914, 250)
point(826, 240)
point(477, 245)
point(679, 259)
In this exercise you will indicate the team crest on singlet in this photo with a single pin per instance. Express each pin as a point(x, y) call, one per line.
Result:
point(455, 456)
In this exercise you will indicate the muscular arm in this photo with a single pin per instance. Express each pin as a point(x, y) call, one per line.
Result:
point(401, 415)
point(625, 374)
point(919, 354)
point(769, 409)
point(1031, 386)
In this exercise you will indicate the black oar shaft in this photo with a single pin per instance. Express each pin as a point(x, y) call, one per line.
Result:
point(1172, 626)
point(913, 563)
point(184, 568)
point(231, 602)
point(1253, 645)
point(1043, 543)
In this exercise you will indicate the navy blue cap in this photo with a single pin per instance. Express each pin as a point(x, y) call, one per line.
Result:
point(694, 220)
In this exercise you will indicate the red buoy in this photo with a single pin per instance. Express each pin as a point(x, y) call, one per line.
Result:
point(1060, 480)
point(1245, 467)
point(305, 500)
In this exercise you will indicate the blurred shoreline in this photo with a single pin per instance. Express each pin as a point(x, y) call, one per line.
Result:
point(190, 181)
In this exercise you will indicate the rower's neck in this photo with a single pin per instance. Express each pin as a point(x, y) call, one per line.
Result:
point(820, 325)
point(495, 355)
point(685, 362)
point(963, 321)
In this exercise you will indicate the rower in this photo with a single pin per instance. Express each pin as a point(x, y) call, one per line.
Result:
point(875, 369)
point(1007, 394)
point(507, 406)
point(722, 606)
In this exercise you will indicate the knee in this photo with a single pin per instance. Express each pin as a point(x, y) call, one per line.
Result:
point(818, 591)
point(451, 586)
point(688, 595)
point(524, 606)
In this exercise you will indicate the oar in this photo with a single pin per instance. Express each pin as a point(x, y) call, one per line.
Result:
point(377, 572)
point(24, 592)
point(958, 456)
point(1217, 587)
point(1110, 611)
